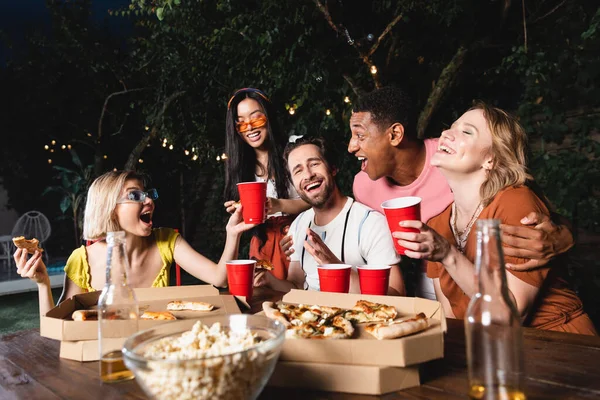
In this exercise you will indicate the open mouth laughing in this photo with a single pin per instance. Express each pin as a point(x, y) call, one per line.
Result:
point(253, 136)
point(313, 186)
point(146, 217)
point(445, 149)
point(363, 162)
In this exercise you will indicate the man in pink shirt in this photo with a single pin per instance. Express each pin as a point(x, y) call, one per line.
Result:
point(395, 163)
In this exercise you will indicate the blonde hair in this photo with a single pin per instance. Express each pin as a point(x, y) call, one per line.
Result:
point(509, 149)
point(99, 217)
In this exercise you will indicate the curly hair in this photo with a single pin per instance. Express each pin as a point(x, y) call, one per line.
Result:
point(509, 152)
point(389, 105)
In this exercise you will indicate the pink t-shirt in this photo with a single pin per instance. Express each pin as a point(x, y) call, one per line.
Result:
point(431, 186)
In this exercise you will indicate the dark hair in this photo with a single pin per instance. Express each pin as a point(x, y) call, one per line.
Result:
point(389, 105)
point(241, 161)
point(326, 153)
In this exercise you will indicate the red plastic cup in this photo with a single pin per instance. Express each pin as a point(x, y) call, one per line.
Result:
point(401, 209)
point(334, 277)
point(253, 196)
point(240, 277)
point(374, 279)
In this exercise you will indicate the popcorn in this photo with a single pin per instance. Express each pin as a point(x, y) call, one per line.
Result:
point(204, 363)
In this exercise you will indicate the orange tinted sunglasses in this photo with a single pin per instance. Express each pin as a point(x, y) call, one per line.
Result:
point(254, 123)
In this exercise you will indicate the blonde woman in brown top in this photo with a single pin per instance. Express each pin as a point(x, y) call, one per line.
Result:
point(483, 158)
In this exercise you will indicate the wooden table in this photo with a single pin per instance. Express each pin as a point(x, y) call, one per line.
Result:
point(558, 365)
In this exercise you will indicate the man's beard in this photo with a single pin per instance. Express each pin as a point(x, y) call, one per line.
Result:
point(321, 199)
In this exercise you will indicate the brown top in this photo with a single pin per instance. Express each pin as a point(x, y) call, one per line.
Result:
point(556, 303)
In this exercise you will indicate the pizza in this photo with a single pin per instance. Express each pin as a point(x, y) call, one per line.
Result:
point(264, 264)
point(158, 315)
point(85, 315)
point(396, 329)
point(367, 311)
point(30, 245)
point(179, 305)
point(310, 322)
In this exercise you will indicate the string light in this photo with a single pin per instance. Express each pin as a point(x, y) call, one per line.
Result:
point(195, 157)
point(187, 152)
point(105, 156)
point(69, 146)
point(224, 156)
point(89, 134)
point(328, 112)
point(292, 111)
point(46, 147)
point(218, 158)
point(63, 147)
point(114, 169)
point(53, 142)
point(346, 99)
point(49, 161)
point(141, 161)
point(164, 144)
point(147, 128)
point(373, 69)
point(51, 150)
point(171, 147)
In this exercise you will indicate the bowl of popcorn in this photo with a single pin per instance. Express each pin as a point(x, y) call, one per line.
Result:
point(223, 357)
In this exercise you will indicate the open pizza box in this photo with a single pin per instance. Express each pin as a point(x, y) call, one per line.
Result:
point(57, 323)
point(361, 379)
point(364, 349)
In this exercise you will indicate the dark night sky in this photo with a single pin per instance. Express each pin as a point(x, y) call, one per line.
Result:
point(20, 16)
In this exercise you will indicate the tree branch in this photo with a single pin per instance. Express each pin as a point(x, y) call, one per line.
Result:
point(353, 86)
point(387, 30)
point(135, 154)
point(548, 13)
point(442, 85)
point(327, 16)
point(105, 106)
point(524, 25)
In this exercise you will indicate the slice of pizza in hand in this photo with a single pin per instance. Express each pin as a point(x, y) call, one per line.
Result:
point(158, 315)
point(179, 305)
point(400, 328)
point(30, 245)
point(264, 264)
point(367, 311)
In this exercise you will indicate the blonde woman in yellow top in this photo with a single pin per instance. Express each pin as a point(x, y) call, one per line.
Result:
point(118, 201)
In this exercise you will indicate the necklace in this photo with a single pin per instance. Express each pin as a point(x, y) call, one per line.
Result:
point(461, 237)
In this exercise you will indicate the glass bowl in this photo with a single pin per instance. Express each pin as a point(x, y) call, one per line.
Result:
point(234, 375)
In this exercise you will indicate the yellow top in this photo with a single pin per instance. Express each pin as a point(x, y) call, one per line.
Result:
point(78, 269)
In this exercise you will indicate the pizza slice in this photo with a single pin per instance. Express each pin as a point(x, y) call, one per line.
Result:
point(400, 328)
point(180, 305)
point(85, 315)
point(158, 315)
point(30, 245)
point(367, 311)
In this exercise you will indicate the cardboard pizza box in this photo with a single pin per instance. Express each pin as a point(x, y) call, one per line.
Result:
point(364, 349)
point(361, 379)
point(57, 323)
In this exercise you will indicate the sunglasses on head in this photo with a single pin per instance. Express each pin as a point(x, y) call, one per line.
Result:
point(247, 90)
point(254, 123)
point(139, 196)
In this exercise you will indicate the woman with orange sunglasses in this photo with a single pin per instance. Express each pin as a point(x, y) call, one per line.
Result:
point(254, 147)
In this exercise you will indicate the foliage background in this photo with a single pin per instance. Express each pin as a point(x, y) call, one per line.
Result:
point(164, 69)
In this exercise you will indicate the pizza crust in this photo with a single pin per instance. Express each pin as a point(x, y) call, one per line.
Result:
point(180, 305)
point(85, 315)
point(30, 245)
point(158, 315)
point(400, 328)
